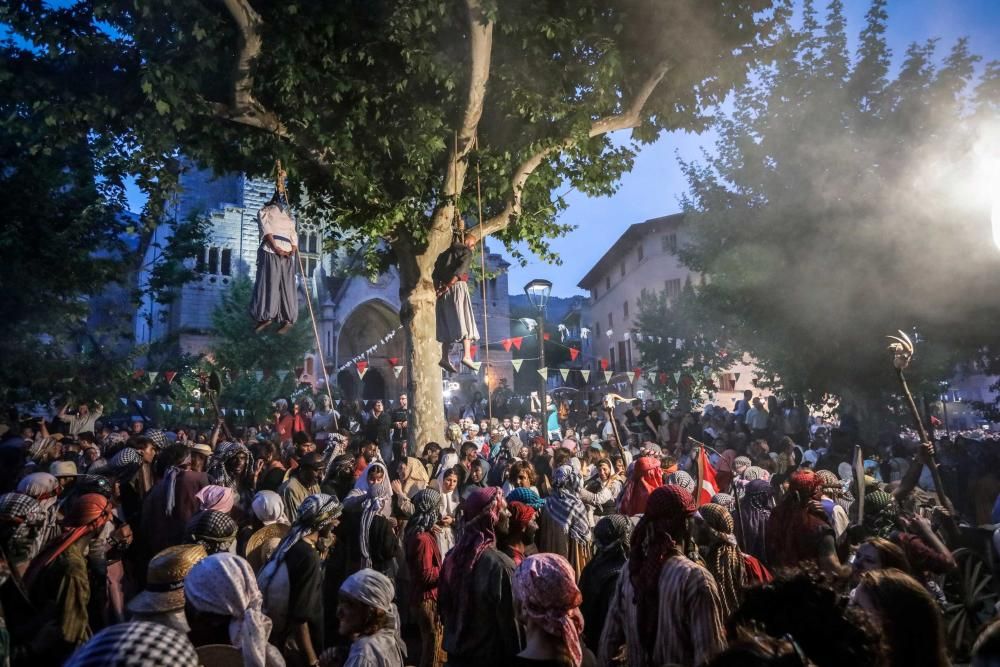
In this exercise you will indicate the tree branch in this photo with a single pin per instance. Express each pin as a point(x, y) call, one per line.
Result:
point(246, 109)
point(629, 118)
point(480, 52)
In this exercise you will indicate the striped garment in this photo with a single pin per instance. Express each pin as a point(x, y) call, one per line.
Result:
point(690, 625)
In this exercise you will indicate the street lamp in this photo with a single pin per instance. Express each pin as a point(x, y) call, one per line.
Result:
point(538, 292)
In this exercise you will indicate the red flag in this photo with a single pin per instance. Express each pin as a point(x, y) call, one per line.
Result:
point(573, 353)
point(517, 341)
point(604, 364)
point(547, 336)
point(506, 342)
point(170, 375)
point(138, 373)
point(663, 378)
point(362, 366)
point(636, 374)
point(472, 350)
point(706, 473)
point(393, 361)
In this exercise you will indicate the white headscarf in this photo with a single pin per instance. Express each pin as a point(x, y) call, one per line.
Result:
point(375, 590)
point(225, 584)
point(448, 461)
point(269, 508)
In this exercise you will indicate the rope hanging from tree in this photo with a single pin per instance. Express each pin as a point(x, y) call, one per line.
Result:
point(280, 176)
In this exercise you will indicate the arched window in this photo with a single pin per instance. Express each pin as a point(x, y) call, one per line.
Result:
point(213, 260)
point(227, 261)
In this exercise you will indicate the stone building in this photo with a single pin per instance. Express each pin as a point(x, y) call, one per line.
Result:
point(353, 313)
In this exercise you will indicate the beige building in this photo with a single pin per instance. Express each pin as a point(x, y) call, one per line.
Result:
point(643, 258)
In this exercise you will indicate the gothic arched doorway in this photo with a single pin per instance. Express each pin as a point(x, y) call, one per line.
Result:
point(366, 326)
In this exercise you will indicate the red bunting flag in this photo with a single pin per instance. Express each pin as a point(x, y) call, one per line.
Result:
point(547, 336)
point(506, 342)
point(170, 375)
point(604, 364)
point(472, 350)
point(636, 374)
point(663, 378)
point(573, 353)
point(362, 366)
point(138, 373)
point(517, 341)
point(393, 361)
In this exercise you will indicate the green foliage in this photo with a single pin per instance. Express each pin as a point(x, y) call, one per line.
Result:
point(843, 205)
point(673, 338)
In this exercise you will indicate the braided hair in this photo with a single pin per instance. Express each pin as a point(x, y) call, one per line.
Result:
point(724, 561)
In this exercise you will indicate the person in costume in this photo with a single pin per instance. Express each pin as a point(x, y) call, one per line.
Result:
point(455, 320)
point(274, 295)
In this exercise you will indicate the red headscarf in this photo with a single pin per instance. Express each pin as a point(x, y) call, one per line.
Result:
point(654, 542)
point(646, 478)
point(520, 514)
point(793, 530)
point(86, 514)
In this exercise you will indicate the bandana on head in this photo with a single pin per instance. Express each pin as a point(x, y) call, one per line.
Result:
point(426, 512)
point(725, 500)
point(226, 451)
point(482, 513)
point(136, 643)
point(644, 480)
point(683, 480)
point(527, 496)
point(213, 530)
point(269, 508)
point(613, 531)
point(881, 512)
point(545, 586)
point(84, 515)
point(374, 589)
point(520, 515)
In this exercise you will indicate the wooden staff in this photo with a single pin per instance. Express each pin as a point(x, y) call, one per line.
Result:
point(609, 410)
point(902, 353)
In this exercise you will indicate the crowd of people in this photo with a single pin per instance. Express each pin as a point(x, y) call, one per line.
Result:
point(635, 536)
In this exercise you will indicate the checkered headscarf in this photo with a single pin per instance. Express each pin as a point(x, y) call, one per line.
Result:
point(125, 464)
point(136, 643)
point(213, 530)
point(426, 511)
point(158, 437)
point(19, 508)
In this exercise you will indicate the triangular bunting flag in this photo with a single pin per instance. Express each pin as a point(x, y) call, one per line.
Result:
point(604, 364)
point(202, 410)
point(396, 370)
point(610, 333)
point(607, 376)
point(170, 376)
point(544, 372)
point(677, 377)
point(565, 373)
point(737, 376)
point(362, 368)
point(516, 363)
point(516, 341)
point(569, 402)
point(472, 350)
point(153, 375)
point(586, 375)
point(223, 411)
point(282, 375)
point(258, 375)
point(547, 336)
point(393, 361)
point(191, 408)
point(139, 403)
point(124, 401)
point(138, 373)
point(477, 365)
point(573, 353)
point(163, 406)
point(506, 342)
point(636, 374)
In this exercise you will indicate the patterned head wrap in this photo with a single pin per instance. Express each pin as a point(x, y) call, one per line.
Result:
point(20, 518)
point(613, 531)
point(881, 512)
point(226, 451)
point(375, 503)
point(545, 586)
point(683, 480)
point(426, 512)
point(482, 513)
point(20, 508)
point(315, 513)
point(136, 643)
point(213, 530)
point(158, 437)
point(527, 496)
point(565, 506)
point(741, 463)
point(755, 472)
point(170, 478)
point(218, 498)
point(520, 515)
point(805, 485)
point(224, 584)
point(724, 559)
point(41, 486)
point(653, 544)
point(725, 500)
point(269, 508)
point(124, 465)
point(718, 519)
point(758, 494)
point(832, 485)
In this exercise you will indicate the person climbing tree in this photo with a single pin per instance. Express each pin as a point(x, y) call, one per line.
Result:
point(455, 320)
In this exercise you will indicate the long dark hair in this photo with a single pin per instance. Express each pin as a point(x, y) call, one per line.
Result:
point(909, 618)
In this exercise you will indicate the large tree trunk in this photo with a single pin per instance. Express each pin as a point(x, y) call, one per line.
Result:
point(417, 314)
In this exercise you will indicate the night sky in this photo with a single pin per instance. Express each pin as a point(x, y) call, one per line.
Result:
point(654, 185)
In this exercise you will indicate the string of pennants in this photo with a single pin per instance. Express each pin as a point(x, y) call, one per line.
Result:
point(191, 409)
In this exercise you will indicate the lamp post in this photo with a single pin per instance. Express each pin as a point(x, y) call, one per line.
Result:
point(538, 292)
